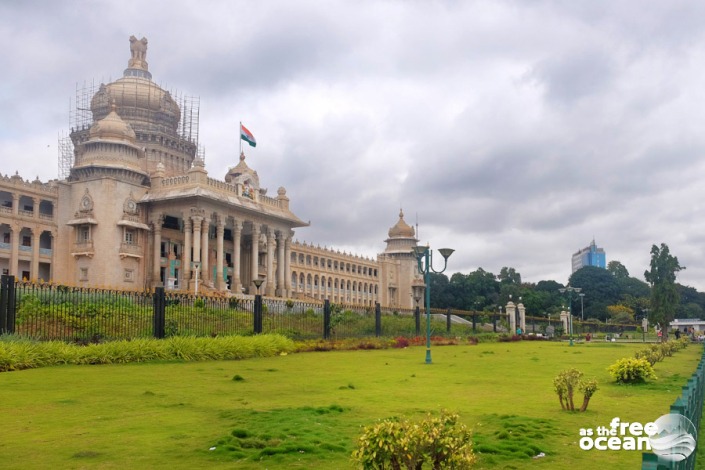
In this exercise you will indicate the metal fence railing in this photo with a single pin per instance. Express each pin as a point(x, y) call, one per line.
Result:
point(690, 405)
point(55, 312)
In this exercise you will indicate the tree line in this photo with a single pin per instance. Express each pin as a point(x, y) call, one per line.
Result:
point(609, 295)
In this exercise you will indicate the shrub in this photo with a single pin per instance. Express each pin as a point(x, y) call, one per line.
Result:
point(651, 355)
point(565, 384)
point(401, 342)
point(588, 387)
point(631, 370)
point(441, 442)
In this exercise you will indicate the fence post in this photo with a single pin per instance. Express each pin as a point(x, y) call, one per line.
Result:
point(159, 312)
point(378, 319)
point(11, 304)
point(258, 314)
point(326, 319)
point(474, 322)
point(448, 320)
point(3, 303)
point(417, 320)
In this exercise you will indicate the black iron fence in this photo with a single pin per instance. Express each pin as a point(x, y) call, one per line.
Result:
point(56, 312)
point(690, 405)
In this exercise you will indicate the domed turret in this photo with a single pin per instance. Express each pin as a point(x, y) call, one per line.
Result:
point(242, 174)
point(402, 238)
point(112, 127)
point(111, 144)
point(401, 229)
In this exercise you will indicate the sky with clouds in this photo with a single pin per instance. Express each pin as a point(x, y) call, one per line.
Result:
point(514, 132)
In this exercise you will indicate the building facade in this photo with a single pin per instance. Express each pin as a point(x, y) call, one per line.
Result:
point(589, 256)
point(138, 209)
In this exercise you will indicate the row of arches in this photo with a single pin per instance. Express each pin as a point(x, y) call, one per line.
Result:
point(334, 289)
point(332, 264)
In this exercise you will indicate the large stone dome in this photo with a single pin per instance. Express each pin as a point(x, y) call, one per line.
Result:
point(139, 100)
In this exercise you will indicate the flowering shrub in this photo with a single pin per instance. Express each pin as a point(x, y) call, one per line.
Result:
point(631, 370)
point(441, 442)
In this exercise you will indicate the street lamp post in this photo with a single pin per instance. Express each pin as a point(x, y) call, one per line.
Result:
point(570, 291)
point(418, 289)
point(424, 259)
point(258, 306)
point(582, 315)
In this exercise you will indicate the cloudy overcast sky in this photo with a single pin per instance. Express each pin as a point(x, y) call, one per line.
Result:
point(514, 132)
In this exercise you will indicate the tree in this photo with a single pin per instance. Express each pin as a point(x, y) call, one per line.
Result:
point(441, 295)
point(664, 293)
point(509, 276)
point(600, 288)
point(620, 314)
point(617, 269)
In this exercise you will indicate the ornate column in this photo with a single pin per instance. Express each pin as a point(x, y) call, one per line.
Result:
point(157, 260)
point(236, 283)
point(197, 223)
point(15, 206)
point(281, 288)
point(287, 265)
point(254, 271)
point(186, 255)
point(36, 202)
point(15, 250)
point(205, 258)
point(34, 271)
point(53, 255)
point(219, 232)
point(271, 278)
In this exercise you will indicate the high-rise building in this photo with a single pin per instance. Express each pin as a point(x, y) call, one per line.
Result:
point(589, 256)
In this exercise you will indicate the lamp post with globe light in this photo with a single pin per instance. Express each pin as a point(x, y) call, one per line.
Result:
point(424, 259)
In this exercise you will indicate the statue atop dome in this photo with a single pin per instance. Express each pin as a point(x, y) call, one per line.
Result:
point(138, 49)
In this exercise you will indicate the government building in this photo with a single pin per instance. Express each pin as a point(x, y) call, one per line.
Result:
point(136, 208)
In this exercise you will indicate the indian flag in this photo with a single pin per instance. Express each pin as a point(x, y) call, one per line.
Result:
point(247, 136)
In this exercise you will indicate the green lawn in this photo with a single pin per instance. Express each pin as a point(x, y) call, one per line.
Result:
point(305, 410)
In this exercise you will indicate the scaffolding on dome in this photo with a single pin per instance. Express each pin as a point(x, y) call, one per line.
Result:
point(190, 110)
point(81, 119)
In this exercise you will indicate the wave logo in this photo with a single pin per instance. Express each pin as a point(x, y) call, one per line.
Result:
point(675, 439)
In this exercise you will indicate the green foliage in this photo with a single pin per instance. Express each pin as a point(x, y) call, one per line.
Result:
point(600, 288)
point(199, 303)
point(21, 354)
point(662, 278)
point(652, 354)
point(631, 370)
point(657, 352)
point(442, 441)
point(617, 269)
point(567, 382)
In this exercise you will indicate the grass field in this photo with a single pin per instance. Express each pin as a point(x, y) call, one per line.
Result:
point(305, 410)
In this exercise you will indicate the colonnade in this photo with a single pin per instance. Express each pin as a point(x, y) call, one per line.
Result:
point(196, 229)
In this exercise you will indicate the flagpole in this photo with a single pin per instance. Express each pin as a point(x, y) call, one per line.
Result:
point(239, 131)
